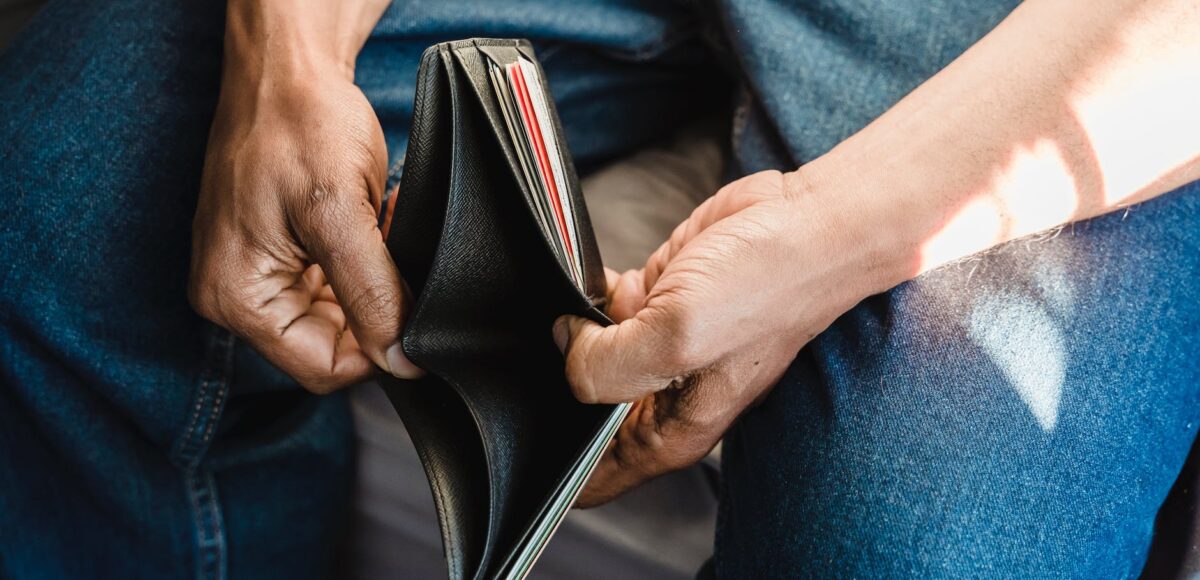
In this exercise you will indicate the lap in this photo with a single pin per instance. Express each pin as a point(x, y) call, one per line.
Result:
point(1022, 412)
point(623, 73)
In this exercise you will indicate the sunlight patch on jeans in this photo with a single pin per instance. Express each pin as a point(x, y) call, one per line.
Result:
point(1055, 285)
point(1027, 344)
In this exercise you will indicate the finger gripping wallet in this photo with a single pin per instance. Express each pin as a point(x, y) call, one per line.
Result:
point(490, 231)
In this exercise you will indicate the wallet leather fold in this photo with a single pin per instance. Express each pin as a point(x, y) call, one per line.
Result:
point(493, 421)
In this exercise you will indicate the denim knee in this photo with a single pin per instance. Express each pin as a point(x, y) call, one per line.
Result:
point(1024, 412)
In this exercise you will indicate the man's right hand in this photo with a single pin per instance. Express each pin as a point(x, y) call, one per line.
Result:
point(286, 252)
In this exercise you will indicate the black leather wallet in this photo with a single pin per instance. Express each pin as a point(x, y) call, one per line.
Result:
point(491, 233)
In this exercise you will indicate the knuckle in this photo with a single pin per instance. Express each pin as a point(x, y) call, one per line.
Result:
point(323, 212)
point(771, 178)
point(319, 206)
point(685, 424)
point(647, 434)
point(657, 444)
point(741, 241)
point(319, 198)
point(657, 453)
point(761, 185)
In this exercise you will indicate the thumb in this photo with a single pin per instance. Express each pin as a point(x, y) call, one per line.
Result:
point(617, 363)
point(340, 232)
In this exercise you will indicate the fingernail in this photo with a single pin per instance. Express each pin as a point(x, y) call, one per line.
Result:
point(561, 334)
point(400, 366)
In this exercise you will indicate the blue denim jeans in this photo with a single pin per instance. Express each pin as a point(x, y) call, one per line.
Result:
point(1022, 412)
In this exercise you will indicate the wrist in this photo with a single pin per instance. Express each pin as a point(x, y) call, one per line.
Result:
point(288, 39)
point(864, 234)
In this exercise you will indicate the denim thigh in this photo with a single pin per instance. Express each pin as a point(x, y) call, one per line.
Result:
point(1020, 413)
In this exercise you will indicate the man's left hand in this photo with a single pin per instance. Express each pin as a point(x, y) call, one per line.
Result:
point(710, 324)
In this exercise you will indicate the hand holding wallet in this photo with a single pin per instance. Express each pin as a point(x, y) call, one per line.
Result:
point(491, 233)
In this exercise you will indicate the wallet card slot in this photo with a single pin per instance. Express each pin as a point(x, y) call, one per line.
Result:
point(525, 155)
point(504, 52)
point(522, 96)
point(471, 60)
point(595, 284)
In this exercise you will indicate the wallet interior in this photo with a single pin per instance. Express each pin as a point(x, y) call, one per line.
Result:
point(504, 444)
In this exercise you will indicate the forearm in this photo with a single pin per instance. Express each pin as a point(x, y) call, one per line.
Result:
point(1066, 111)
point(297, 37)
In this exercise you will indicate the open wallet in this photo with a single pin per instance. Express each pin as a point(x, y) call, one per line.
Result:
point(491, 233)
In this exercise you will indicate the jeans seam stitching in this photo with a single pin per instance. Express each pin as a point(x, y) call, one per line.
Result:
point(209, 526)
point(190, 450)
point(180, 454)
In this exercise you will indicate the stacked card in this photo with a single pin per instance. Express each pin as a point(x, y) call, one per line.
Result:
point(523, 99)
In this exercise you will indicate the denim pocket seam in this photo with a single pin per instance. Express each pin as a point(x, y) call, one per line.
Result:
point(209, 527)
point(199, 484)
point(208, 401)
